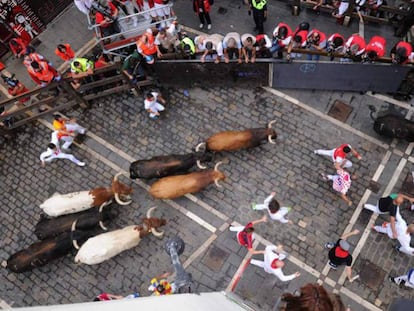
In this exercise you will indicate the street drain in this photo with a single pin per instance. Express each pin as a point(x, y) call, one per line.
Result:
point(371, 275)
point(340, 110)
point(215, 258)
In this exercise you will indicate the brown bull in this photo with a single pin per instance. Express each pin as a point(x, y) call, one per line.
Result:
point(176, 186)
point(235, 140)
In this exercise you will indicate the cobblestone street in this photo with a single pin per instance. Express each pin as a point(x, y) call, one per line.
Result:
point(120, 132)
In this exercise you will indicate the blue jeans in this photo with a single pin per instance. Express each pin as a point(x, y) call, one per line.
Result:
point(313, 57)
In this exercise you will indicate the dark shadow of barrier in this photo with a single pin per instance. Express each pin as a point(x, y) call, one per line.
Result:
point(333, 76)
point(339, 76)
point(192, 73)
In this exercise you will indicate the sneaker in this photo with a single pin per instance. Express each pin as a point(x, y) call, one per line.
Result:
point(329, 245)
point(154, 117)
point(397, 247)
point(391, 279)
point(253, 206)
point(411, 207)
point(373, 228)
point(332, 265)
point(315, 152)
point(201, 26)
point(324, 177)
point(81, 163)
point(209, 26)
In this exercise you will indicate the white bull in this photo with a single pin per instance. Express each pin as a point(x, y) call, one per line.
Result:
point(62, 204)
point(107, 245)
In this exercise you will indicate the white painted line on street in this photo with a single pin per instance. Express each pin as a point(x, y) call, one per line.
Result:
point(390, 100)
point(207, 207)
point(367, 230)
point(4, 305)
point(200, 250)
point(359, 299)
point(326, 117)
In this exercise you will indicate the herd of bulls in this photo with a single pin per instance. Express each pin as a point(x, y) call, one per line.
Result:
point(79, 217)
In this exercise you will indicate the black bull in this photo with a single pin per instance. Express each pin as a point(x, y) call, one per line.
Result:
point(162, 166)
point(50, 227)
point(394, 126)
point(40, 253)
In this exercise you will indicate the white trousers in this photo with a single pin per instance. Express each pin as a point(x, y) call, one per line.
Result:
point(68, 140)
point(404, 278)
point(330, 153)
point(162, 10)
point(62, 155)
point(75, 127)
point(156, 107)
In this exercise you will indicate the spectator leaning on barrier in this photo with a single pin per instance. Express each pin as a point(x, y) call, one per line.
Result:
point(187, 46)
point(263, 45)
point(146, 47)
point(232, 47)
point(80, 68)
point(355, 47)
point(166, 40)
point(339, 13)
point(144, 6)
point(298, 41)
point(402, 53)
point(282, 35)
point(335, 44)
point(375, 49)
point(65, 52)
point(249, 50)
point(213, 45)
point(316, 41)
point(133, 67)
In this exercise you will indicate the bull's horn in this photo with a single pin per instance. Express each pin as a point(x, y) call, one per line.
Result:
point(118, 200)
point(74, 242)
point(271, 123)
point(158, 234)
point(197, 149)
point(217, 165)
point(149, 212)
point(216, 181)
point(101, 224)
point(117, 175)
point(200, 166)
point(269, 138)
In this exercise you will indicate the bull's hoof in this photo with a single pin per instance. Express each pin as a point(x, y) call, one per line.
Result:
point(176, 243)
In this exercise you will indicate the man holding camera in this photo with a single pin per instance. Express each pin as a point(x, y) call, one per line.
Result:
point(316, 41)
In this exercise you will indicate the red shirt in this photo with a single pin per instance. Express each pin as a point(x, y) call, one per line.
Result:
point(246, 239)
point(377, 45)
point(99, 17)
point(339, 152)
point(68, 55)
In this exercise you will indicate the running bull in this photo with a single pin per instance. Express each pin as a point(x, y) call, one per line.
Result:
point(86, 220)
point(107, 245)
point(40, 253)
point(393, 126)
point(62, 204)
point(176, 186)
point(235, 140)
point(162, 166)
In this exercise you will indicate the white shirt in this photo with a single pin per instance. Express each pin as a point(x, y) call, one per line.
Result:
point(278, 215)
point(235, 36)
point(84, 5)
point(49, 152)
point(269, 256)
point(151, 104)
